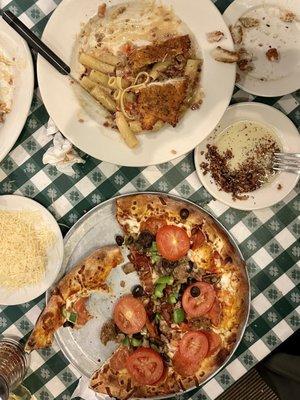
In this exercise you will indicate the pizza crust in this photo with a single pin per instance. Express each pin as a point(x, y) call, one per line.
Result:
point(87, 276)
point(120, 385)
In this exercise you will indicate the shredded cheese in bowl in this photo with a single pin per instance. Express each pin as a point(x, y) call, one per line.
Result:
point(24, 242)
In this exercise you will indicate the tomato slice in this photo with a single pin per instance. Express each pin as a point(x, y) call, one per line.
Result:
point(162, 378)
point(129, 314)
point(145, 366)
point(214, 314)
point(193, 347)
point(172, 242)
point(153, 224)
point(198, 306)
point(197, 239)
point(182, 367)
point(119, 359)
point(83, 316)
point(214, 342)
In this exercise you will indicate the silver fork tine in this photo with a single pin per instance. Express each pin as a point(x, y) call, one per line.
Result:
point(287, 155)
point(287, 169)
point(286, 164)
point(289, 162)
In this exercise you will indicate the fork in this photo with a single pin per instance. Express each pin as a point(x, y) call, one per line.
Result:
point(288, 162)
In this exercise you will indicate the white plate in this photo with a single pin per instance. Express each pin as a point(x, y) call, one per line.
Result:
point(16, 48)
point(267, 195)
point(54, 253)
point(63, 106)
point(286, 73)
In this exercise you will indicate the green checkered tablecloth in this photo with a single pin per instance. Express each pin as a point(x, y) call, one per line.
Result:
point(269, 239)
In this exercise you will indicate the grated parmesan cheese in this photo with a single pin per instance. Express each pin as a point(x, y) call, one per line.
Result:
point(24, 240)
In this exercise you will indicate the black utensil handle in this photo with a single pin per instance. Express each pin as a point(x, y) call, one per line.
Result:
point(35, 43)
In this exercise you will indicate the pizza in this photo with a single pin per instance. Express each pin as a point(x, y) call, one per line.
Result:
point(182, 322)
point(67, 304)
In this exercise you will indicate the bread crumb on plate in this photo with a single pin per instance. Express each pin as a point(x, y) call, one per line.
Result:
point(236, 33)
point(223, 55)
point(287, 16)
point(249, 22)
point(214, 36)
point(272, 54)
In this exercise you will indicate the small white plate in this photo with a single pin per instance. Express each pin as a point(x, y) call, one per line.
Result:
point(55, 252)
point(289, 137)
point(102, 143)
point(281, 77)
point(16, 48)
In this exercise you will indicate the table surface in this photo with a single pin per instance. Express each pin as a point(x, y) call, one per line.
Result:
point(269, 239)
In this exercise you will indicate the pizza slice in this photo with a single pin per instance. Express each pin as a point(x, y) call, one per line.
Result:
point(67, 304)
point(182, 321)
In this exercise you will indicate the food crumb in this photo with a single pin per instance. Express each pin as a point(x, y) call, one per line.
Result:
point(279, 186)
point(214, 36)
point(272, 54)
point(102, 10)
point(249, 22)
point(122, 284)
point(81, 120)
point(173, 151)
point(287, 16)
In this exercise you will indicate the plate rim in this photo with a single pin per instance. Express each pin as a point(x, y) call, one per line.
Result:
point(232, 204)
point(227, 14)
point(112, 200)
point(30, 88)
point(60, 243)
point(131, 160)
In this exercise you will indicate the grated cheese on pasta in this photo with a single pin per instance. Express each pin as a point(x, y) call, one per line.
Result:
point(24, 241)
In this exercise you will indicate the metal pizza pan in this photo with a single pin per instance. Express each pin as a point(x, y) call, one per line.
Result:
point(95, 229)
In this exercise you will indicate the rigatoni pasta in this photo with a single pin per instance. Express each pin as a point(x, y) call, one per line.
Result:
point(87, 83)
point(125, 130)
point(105, 99)
point(93, 63)
point(99, 77)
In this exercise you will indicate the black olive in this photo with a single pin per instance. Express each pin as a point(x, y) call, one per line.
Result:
point(169, 264)
point(119, 240)
point(138, 336)
point(151, 317)
point(129, 240)
point(156, 342)
point(166, 358)
point(165, 263)
point(137, 291)
point(184, 213)
point(195, 291)
point(191, 280)
point(146, 239)
point(191, 266)
point(68, 324)
point(183, 286)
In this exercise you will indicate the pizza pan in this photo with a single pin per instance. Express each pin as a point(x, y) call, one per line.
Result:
point(96, 228)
